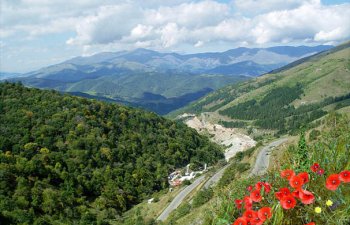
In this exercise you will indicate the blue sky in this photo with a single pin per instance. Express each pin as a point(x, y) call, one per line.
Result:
point(38, 33)
point(332, 2)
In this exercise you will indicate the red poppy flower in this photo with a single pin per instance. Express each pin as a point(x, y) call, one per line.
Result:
point(248, 203)
point(315, 167)
point(259, 185)
point(306, 197)
point(288, 202)
point(344, 176)
point(267, 187)
point(283, 192)
point(255, 196)
point(311, 223)
point(257, 221)
point(240, 221)
point(279, 195)
point(296, 193)
point(238, 203)
point(249, 188)
point(265, 213)
point(250, 214)
point(320, 172)
point(296, 182)
point(250, 222)
point(304, 176)
point(332, 182)
point(287, 174)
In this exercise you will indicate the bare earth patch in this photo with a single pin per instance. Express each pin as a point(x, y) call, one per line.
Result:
point(229, 137)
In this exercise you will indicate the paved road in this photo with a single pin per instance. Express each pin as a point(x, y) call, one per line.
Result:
point(260, 167)
point(179, 198)
point(262, 161)
point(216, 177)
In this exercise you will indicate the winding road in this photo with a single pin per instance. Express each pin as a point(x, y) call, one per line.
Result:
point(262, 161)
point(179, 198)
point(260, 167)
point(216, 177)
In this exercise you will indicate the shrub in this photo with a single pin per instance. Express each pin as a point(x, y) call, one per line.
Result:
point(202, 197)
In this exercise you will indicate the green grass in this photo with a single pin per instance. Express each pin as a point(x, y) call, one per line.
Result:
point(145, 213)
point(331, 150)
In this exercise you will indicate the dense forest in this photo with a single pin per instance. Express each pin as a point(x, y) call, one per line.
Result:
point(71, 160)
point(275, 111)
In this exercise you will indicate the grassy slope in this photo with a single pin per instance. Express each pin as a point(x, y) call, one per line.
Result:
point(145, 212)
point(330, 150)
point(323, 75)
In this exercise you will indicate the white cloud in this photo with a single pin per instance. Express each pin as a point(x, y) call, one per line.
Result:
point(198, 14)
point(335, 34)
point(210, 21)
point(199, 44)
point(302, 23)
point(167, 24)
point(109, 25)
point(171, 34)
point(256, 7)
point(140, 32)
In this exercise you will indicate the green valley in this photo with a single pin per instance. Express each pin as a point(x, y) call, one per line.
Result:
point(67, 159)
point(160, 82)
point(183, 112)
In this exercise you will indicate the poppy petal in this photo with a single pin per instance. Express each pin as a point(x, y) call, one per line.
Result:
point(332, 182)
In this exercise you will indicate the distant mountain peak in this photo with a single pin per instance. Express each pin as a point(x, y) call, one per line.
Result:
point(143, 51)
point(156, 77)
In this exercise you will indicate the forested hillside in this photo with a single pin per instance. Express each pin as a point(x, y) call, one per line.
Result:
point(69, 160)
point(286, 99)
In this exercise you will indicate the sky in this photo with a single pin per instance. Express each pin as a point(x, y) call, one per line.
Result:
point(38, 33)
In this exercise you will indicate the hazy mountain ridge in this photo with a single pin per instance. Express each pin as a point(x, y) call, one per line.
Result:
point(6, 75)
point(165, 61)
point(127, 75)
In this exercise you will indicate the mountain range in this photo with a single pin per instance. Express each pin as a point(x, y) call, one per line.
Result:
point(6, 75)
point(286, 99)
point(161, 82)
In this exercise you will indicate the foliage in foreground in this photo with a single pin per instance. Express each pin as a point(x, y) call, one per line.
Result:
point(323, 205)
point(70, 160)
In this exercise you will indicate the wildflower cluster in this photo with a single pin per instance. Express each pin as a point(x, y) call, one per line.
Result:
point(334, 180)
point(288, 197)
point(317, 169)
point(251, 216)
